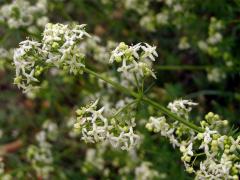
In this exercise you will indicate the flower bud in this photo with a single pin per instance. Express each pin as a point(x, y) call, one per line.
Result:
point(55, 45)
point(190, 170)
point(200, 136)
point(225, 122)
point(149, 126)
point(17, 79)
point(187, 158)
point(123, 46)
point(182, 149)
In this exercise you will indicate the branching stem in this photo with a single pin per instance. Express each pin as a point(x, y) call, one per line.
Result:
point(145, 99)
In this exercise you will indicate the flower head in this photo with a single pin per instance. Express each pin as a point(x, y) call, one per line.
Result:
point(135, 59)
point(95, 127)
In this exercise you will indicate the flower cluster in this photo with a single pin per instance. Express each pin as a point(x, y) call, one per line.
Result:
point(208, 154)
point(176, 14)
point(221, 159)
point(20, 13)
point(27, 61)
point(169, 14)
point(185, 31)
point(214, 31)
point(135, 59)
point(40, 156)
point(181, 15)
point(145, 172)
point(61, 43)
point(140, 6)
point(94, 158)
point(215, 75)
point(95, 127)
point(5, 58)
point(181, 107)
point(159, 125)
point(183, 44)
point(214, 37)
point(4, 54)
point(59, 48)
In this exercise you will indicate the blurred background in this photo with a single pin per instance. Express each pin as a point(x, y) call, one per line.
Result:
point(198, 47)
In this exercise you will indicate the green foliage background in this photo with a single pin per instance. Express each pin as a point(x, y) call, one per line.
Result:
point(180, 73)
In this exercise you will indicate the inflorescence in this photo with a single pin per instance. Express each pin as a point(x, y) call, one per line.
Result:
point(208, 154)
point(58, 48)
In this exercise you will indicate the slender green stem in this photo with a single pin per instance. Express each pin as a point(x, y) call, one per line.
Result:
point(145, 99)
point(124, 108)
point(113, 83)
point(135, 77)
point(182, 67)
point(172, 115)
point(200, 154)
point(149, 88)
point(142, 89)
point(211, 92)
point(193, 68)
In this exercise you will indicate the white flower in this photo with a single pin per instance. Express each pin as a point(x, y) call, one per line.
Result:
point(149, 51)
point(183, 44)
point(215, 75)
point(41, 160)
point(188, 150)
point(137, 5)
point(203, 46)
point(94, 127)
point(91, 122)
point(157, 124)
point(148, 22)
point(61, 42)
point(177, 8)
point(59, 47)
point(94, 158)
point(42, 21)
point(181, 107)
point(21, 13)
point(25, 59)
point(144, 172)
point(162, 18)
point(129, 140)
point(215, 38)
point(207, 139)
point(213, 168)
point(133, 61)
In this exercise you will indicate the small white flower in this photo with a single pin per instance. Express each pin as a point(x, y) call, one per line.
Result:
point(215, 75)
point(149, 51)
point(27, 13)
point(144, 172)
point(59, 47)
point(215, 38)
point(183, 44)
point(207, 139)
point(162, 18)
point(95, 127)
point(133, 61)
point(181, 107)
point(203, 46)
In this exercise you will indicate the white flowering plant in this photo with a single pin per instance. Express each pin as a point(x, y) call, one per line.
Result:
point(140, 92)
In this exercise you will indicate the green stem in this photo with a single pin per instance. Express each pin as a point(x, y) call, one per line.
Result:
point(182, 67)
point(193, 68)
point(145, 99)
point(135, 77)
point(124, 108)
